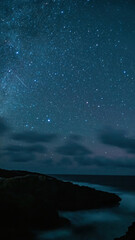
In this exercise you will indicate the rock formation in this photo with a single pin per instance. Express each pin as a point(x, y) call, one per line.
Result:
point(130, 235)
point(31, 201)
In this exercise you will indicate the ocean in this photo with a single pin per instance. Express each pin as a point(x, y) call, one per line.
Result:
point(98, 224)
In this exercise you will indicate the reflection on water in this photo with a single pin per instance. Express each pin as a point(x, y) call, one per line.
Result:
point(99, 224)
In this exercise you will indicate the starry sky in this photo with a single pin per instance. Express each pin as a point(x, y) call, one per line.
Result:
point(67, 86)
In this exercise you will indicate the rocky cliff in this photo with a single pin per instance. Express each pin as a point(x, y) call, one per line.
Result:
point(31, 201)
point(130, 234)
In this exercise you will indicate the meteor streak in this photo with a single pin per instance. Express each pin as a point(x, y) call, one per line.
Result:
point(21, 81)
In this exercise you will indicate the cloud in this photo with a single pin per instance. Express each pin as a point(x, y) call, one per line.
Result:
point(18, 156)
point(65, 161)
point(73, 149)
point(83, 161)
point(118, 138)
point(27, 149)
point(3, 126)
point(105, 162)
point(75, 137)
point(23, 157)
point(17, 153)
point(48, 162)
point(34, 137)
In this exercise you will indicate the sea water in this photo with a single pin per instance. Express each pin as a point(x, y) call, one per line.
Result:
point(98, 224)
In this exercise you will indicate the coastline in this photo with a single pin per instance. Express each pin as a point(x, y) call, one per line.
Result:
point(33, 201)
point(130, 234)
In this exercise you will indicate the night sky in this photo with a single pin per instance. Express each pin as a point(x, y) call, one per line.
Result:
point(67, 86)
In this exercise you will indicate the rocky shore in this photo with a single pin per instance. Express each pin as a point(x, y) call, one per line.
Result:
point(130, 234)
point(31, 201)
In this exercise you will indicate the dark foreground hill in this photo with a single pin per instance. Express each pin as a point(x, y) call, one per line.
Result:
point(31, 201)
point(130, 235)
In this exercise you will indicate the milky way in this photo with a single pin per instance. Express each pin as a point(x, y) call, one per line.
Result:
point(67, 67)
